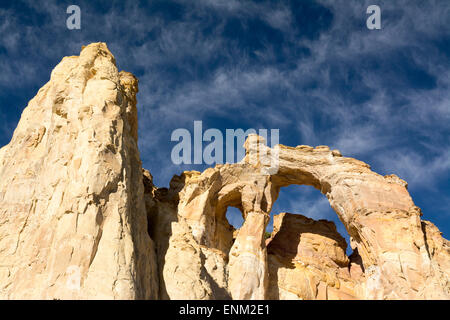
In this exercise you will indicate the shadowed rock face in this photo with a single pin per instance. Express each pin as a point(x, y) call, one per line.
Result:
point(78, 213)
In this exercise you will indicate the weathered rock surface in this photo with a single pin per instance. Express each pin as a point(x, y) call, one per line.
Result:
point(72, 212)
point(78, 213)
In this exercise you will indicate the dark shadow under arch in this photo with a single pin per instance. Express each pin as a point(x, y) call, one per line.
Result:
point(309, 202)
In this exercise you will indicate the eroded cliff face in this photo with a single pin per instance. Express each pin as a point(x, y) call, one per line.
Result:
point(81, 219)
point(72, 211)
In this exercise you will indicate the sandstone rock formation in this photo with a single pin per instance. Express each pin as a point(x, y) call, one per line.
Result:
point(81, 219)
point(72, 211)
point(397, 256)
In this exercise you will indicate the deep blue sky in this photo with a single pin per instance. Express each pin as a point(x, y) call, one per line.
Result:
point(309, 68)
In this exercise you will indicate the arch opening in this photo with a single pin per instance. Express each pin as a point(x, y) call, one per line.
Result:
point(307, 201)
point(229, 219)
point(308, 242)
point(234, 217)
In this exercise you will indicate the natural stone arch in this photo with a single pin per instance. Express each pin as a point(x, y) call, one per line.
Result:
point(375, 210)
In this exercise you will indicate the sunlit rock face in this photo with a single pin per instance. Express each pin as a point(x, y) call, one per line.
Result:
point(72, 212)
point(81, 219)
